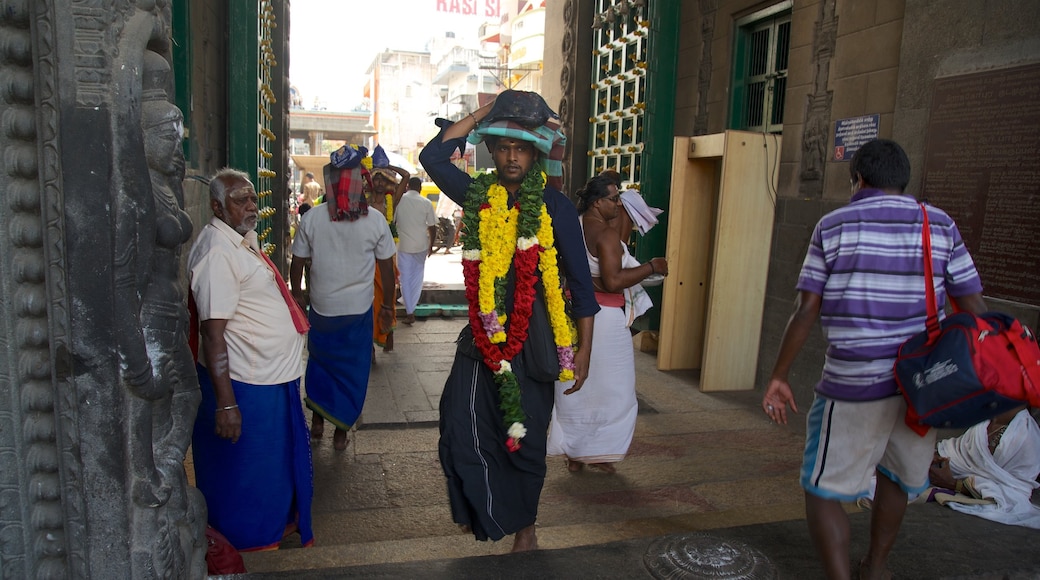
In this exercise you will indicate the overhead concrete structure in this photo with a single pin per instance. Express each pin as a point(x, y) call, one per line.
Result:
point(317, 126)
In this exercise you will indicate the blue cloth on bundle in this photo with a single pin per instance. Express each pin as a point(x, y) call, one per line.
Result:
point(338, 363)
point(258, 486)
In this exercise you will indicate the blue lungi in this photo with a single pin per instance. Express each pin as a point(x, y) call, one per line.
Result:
point(261, 486)
point(338, 364)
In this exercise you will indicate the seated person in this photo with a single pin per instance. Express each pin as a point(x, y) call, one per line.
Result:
point(991, 470)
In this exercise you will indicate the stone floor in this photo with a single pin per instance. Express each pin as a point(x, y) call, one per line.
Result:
point(699, 463)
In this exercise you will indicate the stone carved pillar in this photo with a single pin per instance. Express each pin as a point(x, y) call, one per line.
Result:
point(97, 388)
point(816, 131)
point(709, 8)
point(575, 79)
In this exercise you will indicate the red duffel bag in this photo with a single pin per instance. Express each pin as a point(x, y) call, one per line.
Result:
point(968, 368)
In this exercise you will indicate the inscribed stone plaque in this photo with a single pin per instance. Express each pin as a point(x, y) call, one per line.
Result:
point(982, 165)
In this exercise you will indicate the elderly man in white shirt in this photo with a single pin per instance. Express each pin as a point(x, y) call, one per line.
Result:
point(417, 230)
point(249, 446)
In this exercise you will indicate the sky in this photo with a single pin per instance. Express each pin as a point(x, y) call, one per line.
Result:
point(332, 42)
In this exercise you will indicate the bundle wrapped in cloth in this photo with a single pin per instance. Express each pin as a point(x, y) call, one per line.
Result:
point(526, 116)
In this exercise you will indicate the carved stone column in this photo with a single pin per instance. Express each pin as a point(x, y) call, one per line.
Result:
point(708, 10)
point(816, 131)
point(96, 394)
point(575, 79)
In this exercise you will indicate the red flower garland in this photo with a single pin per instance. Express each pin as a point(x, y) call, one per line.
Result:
point(525, 263)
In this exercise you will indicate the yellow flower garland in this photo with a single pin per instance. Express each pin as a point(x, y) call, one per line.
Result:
point(564, 331)
point(390, 215)
point(498, 242)
point(496, 238)
point(497, 230)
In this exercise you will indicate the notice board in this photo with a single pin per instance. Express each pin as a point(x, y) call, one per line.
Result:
point(982, 165)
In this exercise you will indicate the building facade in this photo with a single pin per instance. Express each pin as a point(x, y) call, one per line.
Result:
point(948, 80)
point(400, 85)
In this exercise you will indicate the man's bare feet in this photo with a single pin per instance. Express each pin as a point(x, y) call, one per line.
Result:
point(868, 573)
point(410, 319)
point(340, 440)
point(574, 466)
point(317, 426)
point(525, 540)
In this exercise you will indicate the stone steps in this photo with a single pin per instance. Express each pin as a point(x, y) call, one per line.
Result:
point(462, 545)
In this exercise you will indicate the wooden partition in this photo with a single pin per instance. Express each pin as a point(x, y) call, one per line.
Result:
point(720, 226)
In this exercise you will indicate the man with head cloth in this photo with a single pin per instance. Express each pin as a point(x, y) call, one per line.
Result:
point(384, 194)
point(252, 460)
point(522, 239)
point(348, 247)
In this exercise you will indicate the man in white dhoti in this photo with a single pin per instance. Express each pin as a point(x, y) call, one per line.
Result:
point(417, 230)
point(594, 426)
point(990, 471)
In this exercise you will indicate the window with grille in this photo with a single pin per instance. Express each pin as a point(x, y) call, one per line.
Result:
point(620, 43)
point(760, 70)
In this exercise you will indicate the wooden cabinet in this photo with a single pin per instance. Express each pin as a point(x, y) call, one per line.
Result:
point(720, 228)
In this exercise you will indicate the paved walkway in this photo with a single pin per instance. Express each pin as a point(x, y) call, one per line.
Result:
point(699, 463)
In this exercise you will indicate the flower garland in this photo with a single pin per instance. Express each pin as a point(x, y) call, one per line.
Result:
point(390, 215)
point(520, 237)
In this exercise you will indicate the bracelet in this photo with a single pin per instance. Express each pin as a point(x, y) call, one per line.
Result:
point(652, 269)
point(228, 408)
point(475, 121)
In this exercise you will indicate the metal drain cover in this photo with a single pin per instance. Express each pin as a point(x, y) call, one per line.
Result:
point(691, 556)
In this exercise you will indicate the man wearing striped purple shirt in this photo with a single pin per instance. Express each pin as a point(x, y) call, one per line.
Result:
point(863, 278)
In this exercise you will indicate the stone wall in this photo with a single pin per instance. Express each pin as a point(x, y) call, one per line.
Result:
point(847, 58)
point(567, 76)
point(97, 387)
point(208, 128)
point(884, 58)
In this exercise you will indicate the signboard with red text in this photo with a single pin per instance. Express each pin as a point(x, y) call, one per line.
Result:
point(483, 8)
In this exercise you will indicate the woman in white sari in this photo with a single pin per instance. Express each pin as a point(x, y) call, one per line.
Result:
point(594, 426)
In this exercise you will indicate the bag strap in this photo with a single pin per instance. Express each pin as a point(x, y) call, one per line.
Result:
point(1030, 365)
point(932, 321)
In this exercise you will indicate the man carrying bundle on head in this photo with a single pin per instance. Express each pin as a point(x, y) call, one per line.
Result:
point(348, 247)
point(521, 241)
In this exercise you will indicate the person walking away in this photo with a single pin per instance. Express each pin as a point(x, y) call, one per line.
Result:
point(595, 426)
point(416, 230)
point(498, 398)
point(347, 246)
point(863, 278)
point(384, 193)
point(249, 445)
point(310, 190)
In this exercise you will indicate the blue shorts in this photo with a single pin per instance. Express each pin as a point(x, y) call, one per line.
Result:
point(846, 441)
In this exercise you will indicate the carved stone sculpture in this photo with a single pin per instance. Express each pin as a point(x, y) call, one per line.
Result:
point(97, 387)
point(164, 321)
point(818, 105)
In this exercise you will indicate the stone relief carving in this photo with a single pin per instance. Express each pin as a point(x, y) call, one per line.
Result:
point(46, 530)
point(164, 321)
point(708, 10)
point(566, 76)
point(39, 518)
point(815, 132)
